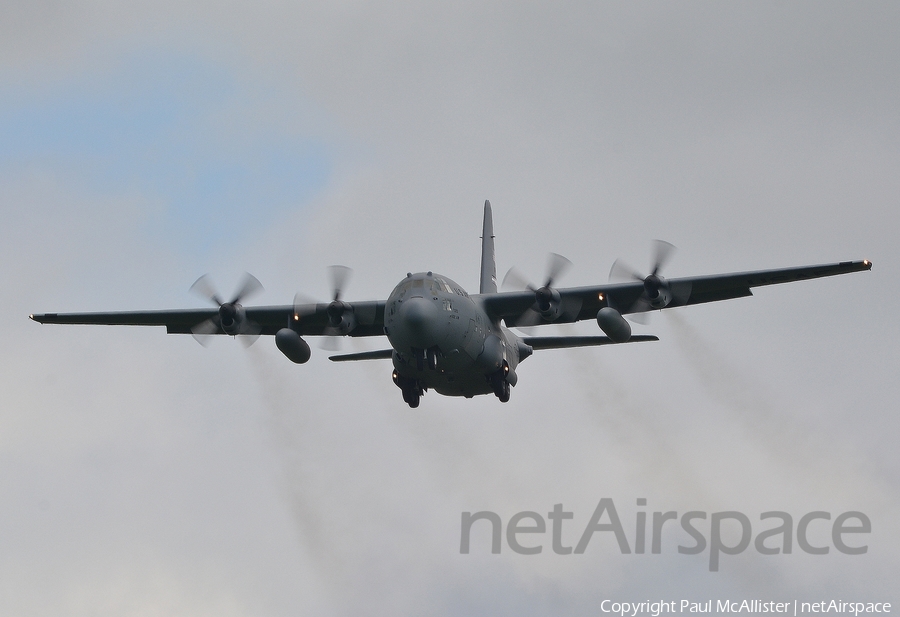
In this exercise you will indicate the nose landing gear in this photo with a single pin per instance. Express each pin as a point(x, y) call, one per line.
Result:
point(431, 358)
point(427, 358)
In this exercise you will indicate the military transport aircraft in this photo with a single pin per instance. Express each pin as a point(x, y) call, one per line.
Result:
point(445, 339)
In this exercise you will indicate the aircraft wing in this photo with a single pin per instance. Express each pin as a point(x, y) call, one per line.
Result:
point(313, 318)
point(380, 354)
point(578, 303)
point(535, 342)
point(566, 342)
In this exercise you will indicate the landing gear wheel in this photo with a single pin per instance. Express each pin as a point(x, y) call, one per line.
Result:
point(411, 388)
point(412, 398)
point(503, 395)
point(500, 384)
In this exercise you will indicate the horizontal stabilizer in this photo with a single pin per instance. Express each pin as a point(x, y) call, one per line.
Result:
point(563, 342)
point(381, 354)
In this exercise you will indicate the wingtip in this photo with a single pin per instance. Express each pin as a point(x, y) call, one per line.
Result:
point(867, 264)
point(642, 338)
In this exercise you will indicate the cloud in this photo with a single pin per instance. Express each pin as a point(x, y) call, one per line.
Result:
point(141, 147)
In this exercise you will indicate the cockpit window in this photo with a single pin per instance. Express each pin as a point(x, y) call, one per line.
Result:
point(423, 284)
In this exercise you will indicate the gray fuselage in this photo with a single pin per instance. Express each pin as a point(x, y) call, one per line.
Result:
point(445, 340)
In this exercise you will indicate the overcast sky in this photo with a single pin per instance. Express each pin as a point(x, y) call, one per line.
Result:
point(142, 145)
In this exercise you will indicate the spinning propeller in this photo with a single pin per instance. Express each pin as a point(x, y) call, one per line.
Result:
point(341, 319)
point(547, 299)
point(340, 314)
point(231, 318)
point(657, 292)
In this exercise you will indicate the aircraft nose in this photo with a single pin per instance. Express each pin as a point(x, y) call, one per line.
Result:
point(420, 321)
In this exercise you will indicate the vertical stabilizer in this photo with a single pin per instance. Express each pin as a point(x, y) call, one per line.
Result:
point(488, 266)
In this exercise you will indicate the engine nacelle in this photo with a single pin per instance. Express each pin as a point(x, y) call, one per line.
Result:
point(613, 324)
point(548, 303)
point(662, 299)
point(657, 291)
point(292, 346)
point(232, 318)
point(341, 317)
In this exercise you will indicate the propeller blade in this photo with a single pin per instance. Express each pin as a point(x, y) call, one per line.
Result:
point(330, 342)
point(204, 288)
point(663, 251)
point(681, 292)
point(556, 266)
point(304, 306)
point(250, 285)
point(529, 319)
point(515, 280)
point(621, 272)
point(204, 331)
point(339, 277)
point(643, 316)
point(250, 334)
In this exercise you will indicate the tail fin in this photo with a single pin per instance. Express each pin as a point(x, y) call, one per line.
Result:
point(488, 266)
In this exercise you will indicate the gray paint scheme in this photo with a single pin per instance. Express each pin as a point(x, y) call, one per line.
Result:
point(488, 263)
point(458, 344)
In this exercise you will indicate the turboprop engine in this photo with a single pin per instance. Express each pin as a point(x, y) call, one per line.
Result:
point(232, 318)
point(658, 293)
point(341, 319)
point(548, 303)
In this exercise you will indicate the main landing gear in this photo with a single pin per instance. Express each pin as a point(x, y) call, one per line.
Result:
point(412, 396)
point(412, 391)
point(500, 383)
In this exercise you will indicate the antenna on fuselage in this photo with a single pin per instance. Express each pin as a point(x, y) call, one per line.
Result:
point(488, 265)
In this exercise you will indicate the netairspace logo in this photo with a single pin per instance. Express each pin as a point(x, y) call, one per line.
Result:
point(722, 526)
point(754, 607)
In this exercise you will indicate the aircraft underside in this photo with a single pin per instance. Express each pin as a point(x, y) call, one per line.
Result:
point(453, 374)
